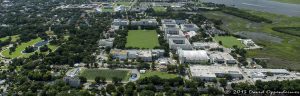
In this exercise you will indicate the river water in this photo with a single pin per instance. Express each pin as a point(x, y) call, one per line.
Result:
point(262, 5)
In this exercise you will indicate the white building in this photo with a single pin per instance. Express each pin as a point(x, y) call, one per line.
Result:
point(120, 8)
point(168, 21)
point(221, 57)
point(183, 43)
point(248, 42)
point(271, 74)
point(205, 45)
point(145, 55)
point(120, 22)
point(106, 42)
point(189, 27)
point(71, 77)
point(170, 27)
point(209, 73)
point(173, 33)
point(193, 56)
point(145, 22)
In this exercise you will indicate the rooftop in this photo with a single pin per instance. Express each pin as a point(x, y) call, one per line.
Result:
point(210, 71)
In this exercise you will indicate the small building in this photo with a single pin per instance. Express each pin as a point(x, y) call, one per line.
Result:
point(157, 53)
point(205, 45)
point(120, 8)
point(145, 55)
point(209, 73)
point(168, 21)
point(221, 57)
point(183, 43)
point(248, 42)
point(119, 54)
point(189, 27)
point(132, 54)
point(173, 33)
point(145, 22)
point(142, 71)
point(106, 42)
point(120, 22)
point(166, 27)
point(193, 56)
point(71, 77)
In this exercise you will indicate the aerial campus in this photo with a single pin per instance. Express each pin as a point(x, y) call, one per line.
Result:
point(149, 47)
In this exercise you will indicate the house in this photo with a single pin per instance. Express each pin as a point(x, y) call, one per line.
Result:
point(189, 27)
point(183, 43)
point(205, 73)
point(193, 56)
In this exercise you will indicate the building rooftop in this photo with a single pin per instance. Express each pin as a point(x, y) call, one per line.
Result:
point(194, 54)
point(73, 72)
point(210, 71)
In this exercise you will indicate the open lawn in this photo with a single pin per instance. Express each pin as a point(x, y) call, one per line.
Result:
point(288, 1)
point(90, 74)
point(20, 48)
point(163, 75)
point(142, 39)
point(229, 41)
point(159, 9)
point(107, 10)
point(282, 54)
point(13, 38)
point(123, 3)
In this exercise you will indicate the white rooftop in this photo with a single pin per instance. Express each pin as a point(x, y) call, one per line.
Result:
point(210, 71)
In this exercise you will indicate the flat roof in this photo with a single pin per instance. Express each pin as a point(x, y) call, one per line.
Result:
point(210, 71)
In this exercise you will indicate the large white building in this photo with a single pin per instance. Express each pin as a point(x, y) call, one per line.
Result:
point(71, 77)
point(193, 56)
point(173, 33)
point(271, 74)
point(209, 73)
point(221, 57)
point(183, 43)
point(170, 27)
point(189, 27)
point(168, 21)
point(145, 22)
point(205, 45)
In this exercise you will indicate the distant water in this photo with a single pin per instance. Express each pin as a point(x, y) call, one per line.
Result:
point(262, 5)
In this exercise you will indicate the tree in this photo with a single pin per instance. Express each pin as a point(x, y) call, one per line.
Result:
point(147, 93)
point(82, 79)
point(97, 79)
point(120, 90)
point(223, 82)
point(44, 48)
point(116, 80)
point(220, 42)
point(110, 88)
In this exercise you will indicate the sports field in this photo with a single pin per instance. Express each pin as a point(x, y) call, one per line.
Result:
point(20, 48)
point(229, 41)
point(163, 75)
point(90, 74)
point(142, 39)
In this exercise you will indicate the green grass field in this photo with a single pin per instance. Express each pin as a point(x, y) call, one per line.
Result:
point(282, 55)
point(163, 75)
point(13, 38)
point(107, 10)
point(123, 3)
point(288, 1)
point(90, 74)
point(20, 48)
point(159, 9)
point(142, 39)
point(229, 41)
